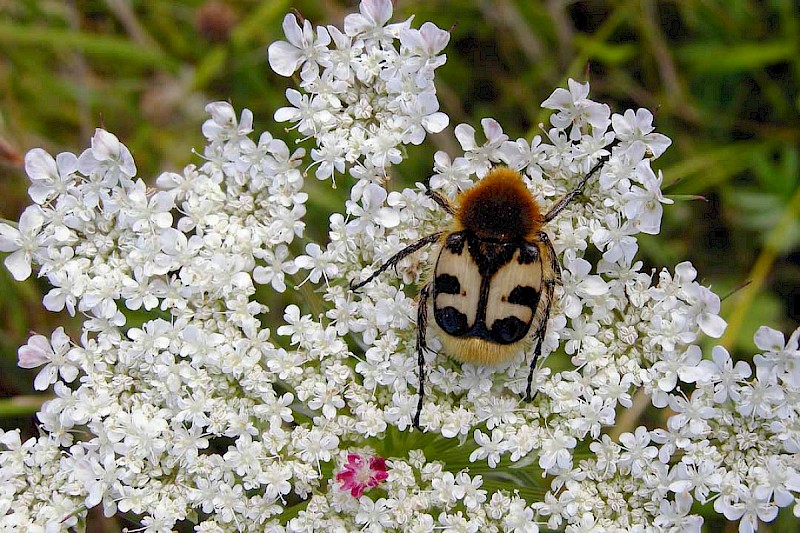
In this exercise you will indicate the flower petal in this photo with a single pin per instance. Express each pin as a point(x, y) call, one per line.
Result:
point(284, 58)
point(712, 325)
point(769, 339)
point(19, 264)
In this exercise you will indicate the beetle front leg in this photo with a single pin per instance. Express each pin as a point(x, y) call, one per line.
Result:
point(441, 201)
point(399, 256)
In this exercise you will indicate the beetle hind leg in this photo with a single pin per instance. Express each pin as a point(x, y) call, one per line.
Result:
point(551, 271)
point(422, 346)
point(539, 336)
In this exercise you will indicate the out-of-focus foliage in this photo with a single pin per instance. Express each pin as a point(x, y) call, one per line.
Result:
point(722, 78)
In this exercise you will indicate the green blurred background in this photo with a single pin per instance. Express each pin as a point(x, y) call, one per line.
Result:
point(721, 77)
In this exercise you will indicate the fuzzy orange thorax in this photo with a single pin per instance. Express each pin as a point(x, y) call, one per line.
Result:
point(499, 207)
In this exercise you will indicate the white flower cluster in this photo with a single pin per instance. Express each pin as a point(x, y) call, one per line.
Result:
point(366, 90)
point(195, 414)
point(151, 398)
point(732, 441)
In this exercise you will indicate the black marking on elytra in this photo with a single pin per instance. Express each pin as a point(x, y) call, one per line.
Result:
point(479, 331)
point(446, 284)
point(480, 317)
point(509, 330)
point(451, 320)
point(491, 256)
point(455, 242)
point(525, 295)
point(528, 253)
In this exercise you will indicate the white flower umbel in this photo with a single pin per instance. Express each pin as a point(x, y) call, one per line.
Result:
point(210, 411)
point(363, 92)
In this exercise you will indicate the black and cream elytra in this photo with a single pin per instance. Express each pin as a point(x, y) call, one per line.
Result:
point(495, 274)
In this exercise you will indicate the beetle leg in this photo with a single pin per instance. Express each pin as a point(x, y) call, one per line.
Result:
point(399, 256)
point(441, 201)
point(539, 335)
point(555, 266)
point(552, 277)
point(570, 196)
point(422, 346)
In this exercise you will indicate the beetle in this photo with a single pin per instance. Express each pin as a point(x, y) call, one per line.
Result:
point(495, 274)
